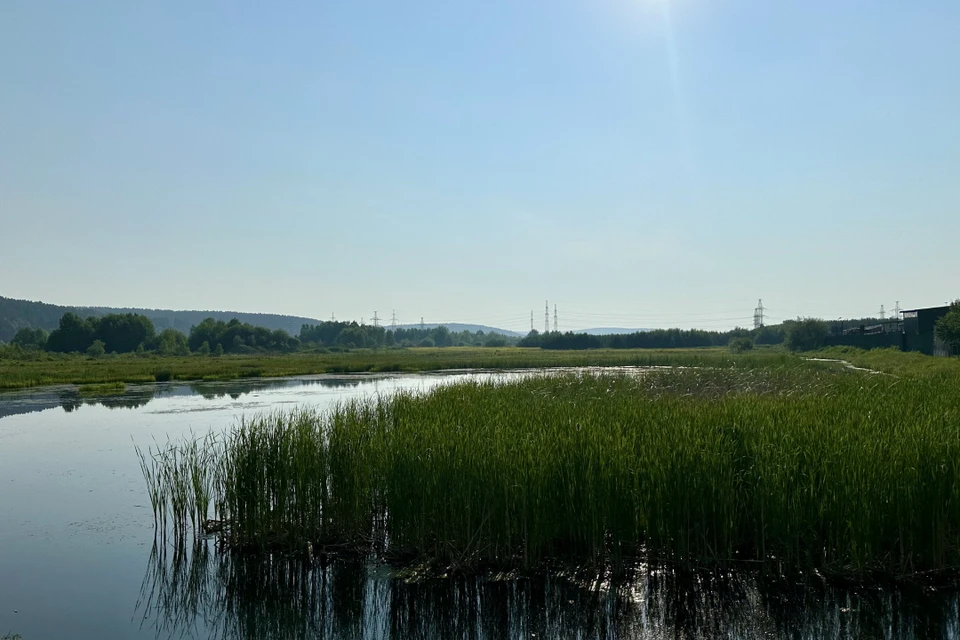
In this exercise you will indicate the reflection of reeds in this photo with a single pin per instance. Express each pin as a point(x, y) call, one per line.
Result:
point(798, 467)
point(189, 591)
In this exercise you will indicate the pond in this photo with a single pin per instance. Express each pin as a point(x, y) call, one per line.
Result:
point(78, 559)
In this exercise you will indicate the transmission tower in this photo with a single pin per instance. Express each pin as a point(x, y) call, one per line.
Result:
point(556, 323)
point(376, 320)
point(896, 311)
point(758, 315)
point(546, 317)
point(531, 319)
point(422, 327)
point(883, 313)
point(333, 317)
point(393, 320)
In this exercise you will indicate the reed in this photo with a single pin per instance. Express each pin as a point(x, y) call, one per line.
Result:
point(795, 466)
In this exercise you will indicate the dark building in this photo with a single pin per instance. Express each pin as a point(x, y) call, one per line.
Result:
point(918, 327)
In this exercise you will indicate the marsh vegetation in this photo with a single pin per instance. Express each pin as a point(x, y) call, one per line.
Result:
point(801, 467)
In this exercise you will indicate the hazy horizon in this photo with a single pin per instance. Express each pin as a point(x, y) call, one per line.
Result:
point(649, 163)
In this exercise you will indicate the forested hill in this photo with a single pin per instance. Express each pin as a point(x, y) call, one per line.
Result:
point(17, 314)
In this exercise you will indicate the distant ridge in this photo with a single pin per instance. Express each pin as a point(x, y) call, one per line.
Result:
point(460, 326)
point(17, 314)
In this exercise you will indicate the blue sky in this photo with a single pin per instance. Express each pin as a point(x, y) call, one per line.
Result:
point(644, 163)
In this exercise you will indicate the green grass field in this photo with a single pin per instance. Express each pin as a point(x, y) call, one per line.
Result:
point(48, 369)
point(761, 462)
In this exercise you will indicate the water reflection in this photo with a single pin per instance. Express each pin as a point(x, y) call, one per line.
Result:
point(199, 592)
point(136, 396)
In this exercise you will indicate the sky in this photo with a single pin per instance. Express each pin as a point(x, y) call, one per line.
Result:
point(638, 163)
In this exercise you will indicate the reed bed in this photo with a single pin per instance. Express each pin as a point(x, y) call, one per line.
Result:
point(800, 467)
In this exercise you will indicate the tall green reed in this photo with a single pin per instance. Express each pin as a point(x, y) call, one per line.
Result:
point(799, 466)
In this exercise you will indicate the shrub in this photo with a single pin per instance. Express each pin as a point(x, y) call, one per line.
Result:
point(97, 349)
point(739, 345)
point(948, 327)
point(806, 334)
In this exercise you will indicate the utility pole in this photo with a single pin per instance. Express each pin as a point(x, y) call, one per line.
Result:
point(546, 317)
point(758, 315)
point(556, 323)
point(376, 320)
point(393, 320)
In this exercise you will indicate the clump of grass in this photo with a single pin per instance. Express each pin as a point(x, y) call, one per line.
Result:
point(801, 467)
point(107, 389)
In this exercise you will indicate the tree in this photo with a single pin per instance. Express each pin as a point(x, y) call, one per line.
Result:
point(204, 349)
point(30, 338)
point(948, 326)
point(122, 332)
point(218, 351)
point(96, 349)
point(73, 334)
point(805, 334)
point(739, 345)
point(172, 343)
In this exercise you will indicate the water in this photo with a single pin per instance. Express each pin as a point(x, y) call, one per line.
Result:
point(77, 554)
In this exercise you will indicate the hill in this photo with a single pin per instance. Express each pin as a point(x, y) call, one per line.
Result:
point(16, 314)
point(460, 326)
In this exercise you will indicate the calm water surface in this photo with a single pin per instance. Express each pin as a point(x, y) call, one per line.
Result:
point(77, 554)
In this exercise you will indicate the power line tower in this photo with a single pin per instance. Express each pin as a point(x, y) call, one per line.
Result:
point(758, 315)
point(333, 317)
point(393, 320)
point(556, 323)
point(883, 313)
point(376, 320)
point(896, 311)
point(531, 319)
point(546, 317)
point(422, 326)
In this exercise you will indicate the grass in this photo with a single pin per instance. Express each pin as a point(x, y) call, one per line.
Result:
point(893, 361)
point(798, 466)
point(46, 369)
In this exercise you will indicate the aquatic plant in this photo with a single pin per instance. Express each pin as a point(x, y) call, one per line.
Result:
point(799, 466)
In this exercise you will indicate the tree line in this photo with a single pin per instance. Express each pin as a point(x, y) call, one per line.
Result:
point(135, 333)
point(655, 339)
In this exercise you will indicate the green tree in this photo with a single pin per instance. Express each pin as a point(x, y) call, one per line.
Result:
point(122, 332)
point(73, 334)
point(204, 349)
point(948, 326)
point(30, 338)
point(805, 334)
point(172, 343)
point(739, 345)
point(96, 349)
point(218, 351)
